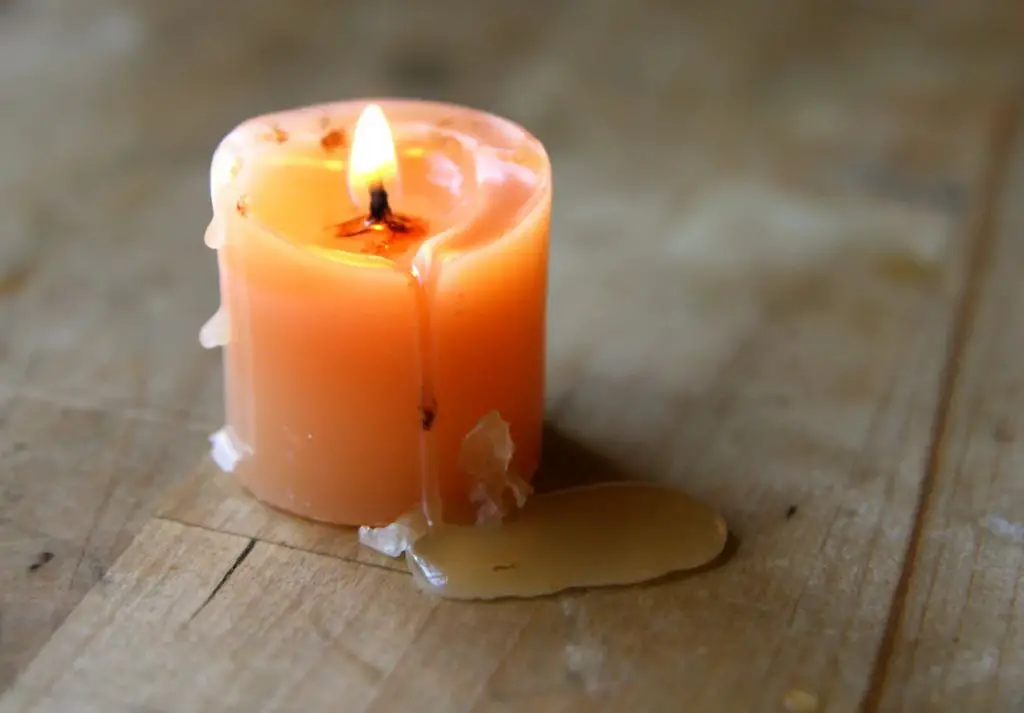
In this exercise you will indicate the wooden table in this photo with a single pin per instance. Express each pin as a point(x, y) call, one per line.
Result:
point(785, 276)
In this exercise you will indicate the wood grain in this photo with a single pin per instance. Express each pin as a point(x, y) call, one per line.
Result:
point(163, 582)
point(958, 629)
point(827, 406)
point(213, 500)
point(760, 235)
point(71, 488)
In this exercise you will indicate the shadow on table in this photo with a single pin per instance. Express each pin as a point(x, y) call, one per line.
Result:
point(567, 461)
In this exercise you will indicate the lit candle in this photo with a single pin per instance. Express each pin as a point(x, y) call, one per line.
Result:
point(383, 272)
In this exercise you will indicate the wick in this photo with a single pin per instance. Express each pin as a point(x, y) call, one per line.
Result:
point(380, 210)
point(381, 220)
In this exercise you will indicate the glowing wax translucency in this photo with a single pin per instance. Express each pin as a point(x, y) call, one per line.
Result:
point(355, 365)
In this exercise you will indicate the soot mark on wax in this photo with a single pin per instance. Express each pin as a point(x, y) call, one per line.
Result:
point(428, 415)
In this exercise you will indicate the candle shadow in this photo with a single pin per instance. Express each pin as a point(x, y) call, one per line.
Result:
point(732, 546)
point(567, 461)
point(718, 409)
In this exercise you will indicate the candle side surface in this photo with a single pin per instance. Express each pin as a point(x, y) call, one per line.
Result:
point(322, 372)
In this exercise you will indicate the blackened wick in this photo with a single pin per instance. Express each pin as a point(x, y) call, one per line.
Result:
point(380, 210)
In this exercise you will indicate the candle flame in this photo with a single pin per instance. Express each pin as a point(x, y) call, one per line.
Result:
point(372, 157)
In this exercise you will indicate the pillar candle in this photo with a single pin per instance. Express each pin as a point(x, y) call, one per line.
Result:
point(383, 283)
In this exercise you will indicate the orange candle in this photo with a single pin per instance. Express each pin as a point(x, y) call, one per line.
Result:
point(383, 277)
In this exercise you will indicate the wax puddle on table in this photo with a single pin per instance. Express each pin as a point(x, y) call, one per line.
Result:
point(598, 535)
point(593, 536)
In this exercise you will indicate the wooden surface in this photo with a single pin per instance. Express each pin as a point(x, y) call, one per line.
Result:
point(785, 275)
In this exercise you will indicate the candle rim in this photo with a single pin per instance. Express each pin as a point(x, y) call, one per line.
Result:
point(247, 146)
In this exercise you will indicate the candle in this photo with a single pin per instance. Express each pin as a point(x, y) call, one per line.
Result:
point(383, 279)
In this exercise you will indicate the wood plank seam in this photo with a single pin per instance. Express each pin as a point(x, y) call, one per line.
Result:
point(993, 347)
point(227, 575)
point(1001, 138)
point(876, 433)
point(931, 577)
point(283, 545)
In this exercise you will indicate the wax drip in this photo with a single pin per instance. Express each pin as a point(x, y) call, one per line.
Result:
point(423, 282)
point(214, 236)
point(392, 232)
point(217, 330)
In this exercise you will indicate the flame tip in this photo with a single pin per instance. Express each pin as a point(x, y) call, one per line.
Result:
point(372, 154)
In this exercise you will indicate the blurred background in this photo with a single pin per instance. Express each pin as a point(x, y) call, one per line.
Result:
point(716, 165)
point(706, 126)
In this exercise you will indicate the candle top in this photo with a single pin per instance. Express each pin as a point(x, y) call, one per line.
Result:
point(467, 177)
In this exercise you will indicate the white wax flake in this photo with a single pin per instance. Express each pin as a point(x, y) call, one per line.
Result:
point(217, 330)
point(227, 449)
point(587, 663)
point(485, 458)
point(394, 539)
point(1003, 527)
point(214, 236)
